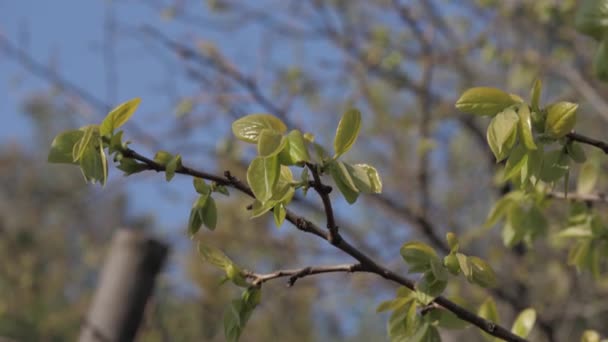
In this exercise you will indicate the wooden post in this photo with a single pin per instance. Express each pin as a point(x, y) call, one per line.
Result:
point(126, 283)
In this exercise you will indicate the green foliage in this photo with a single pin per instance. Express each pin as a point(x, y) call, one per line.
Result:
point(239, 312)
point(484, 101)
point(524, 323)
point(249, 128)
point(488, 310)
point(502, 133)
point(561, 118)
point(118, 116)
point(347, 132)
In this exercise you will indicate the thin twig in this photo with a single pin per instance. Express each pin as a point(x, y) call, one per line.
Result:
point(295, 274)
point(588, 141)
point(323, 191)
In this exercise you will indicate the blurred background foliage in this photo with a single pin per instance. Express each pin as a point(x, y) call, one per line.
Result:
point(402, 63)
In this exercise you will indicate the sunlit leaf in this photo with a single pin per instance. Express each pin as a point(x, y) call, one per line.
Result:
point(535, 95)
point(483, 275)
point(213, 256)
point(210, 214)
point(344, 181)
point(588, 177)
point(296, 150)
point(118, 116)
point(418, 256)
point(525, 127)
point(502, 133)
point(270, 143)
point(279, 214)
point(524, 323)
point(554, 166)
point(561, 118)
point(89, 133)
point(347, 132)
point(248, 128)
point(429, 288)
point(173, 164)
point(200, 186)
point(484, 101)
point(488, 311)
point(262, 176)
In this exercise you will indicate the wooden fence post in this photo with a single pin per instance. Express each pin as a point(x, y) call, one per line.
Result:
point(127, 280)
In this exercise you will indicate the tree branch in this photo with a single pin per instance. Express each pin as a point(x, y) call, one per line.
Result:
point(323, 191)
point(295, 274)
point(588, 141)
point(367, 264)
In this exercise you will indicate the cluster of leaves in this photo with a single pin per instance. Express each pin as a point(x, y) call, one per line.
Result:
point(85, 146)
point(526, 136)
point(422, 258)
point(592, 19)
point(269, 174)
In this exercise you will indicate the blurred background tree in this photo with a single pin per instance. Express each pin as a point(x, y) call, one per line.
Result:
point(198, 66)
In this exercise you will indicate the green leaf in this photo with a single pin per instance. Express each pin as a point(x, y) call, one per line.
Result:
point(576, 152)
point(394, 304)
point(402, 322)
point(93, 163)
point(592, 18)
point(502, 133)
point(347, 132)
point(62, 147)
point(343, 180)
point(163, 157)
point(588, 177)
point(239, 312)
point(365, 178)
point(214, 256)
point(418, 256)
point(501, 207)
point(516, 161)
point(535, 95)
point(524, 323)
point(484, 101)
point(262, 176)
point(465, 267)
point(561, 118)
point(84, 143)
point(118, 116)
point(173, 164)
point(438, 270)
point(200, 186)
point(482, 273)
point(445, 319)
point(296, 150)
point(279, 214)
point(196, 214)
point(429, 288)
point(525, 127)
point(235, 275)
point(451, 263)
point(130, 166)
point(248, 128)
point(210, 214)
point(579, 231)
point(270, 143)
point(115, 142)
point(554, 166)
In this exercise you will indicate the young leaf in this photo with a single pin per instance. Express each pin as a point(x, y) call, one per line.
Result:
point(343, 181)
point(524, 323)
point(525, 127)
point(262, 176)
point(62, 147)
point(248, 128)
point(200, 186)
point(451, 263)
point(365, 178)
point(587, 178)
point(210, 214)
point(270, 143)
point(130, 166)
point(418, 256)
point(561, 118)
point(391, 305)
point(590, 336)
point(516, 161)
point(554, 166)
point(502, 133)
point(296, 150)
point(118, 116)
point(576, 152)
point(535, 95)
point(172, 165)
point(347, 132)
point(438, 270)
point(279, 214)
point(93, 163)
point(163, 157)
point(429, 288)
point(213, 256)
point(465, 267)
point(452, 242)
point(600, 60)
point(83, 144)
point(483, 275)
point(484, 101)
